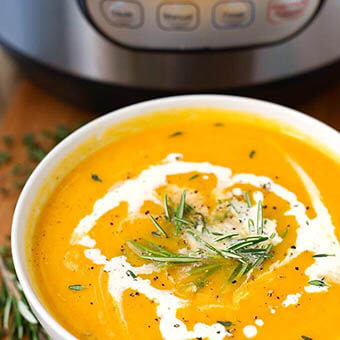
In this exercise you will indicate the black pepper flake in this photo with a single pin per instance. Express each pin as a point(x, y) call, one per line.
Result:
point(297, 268)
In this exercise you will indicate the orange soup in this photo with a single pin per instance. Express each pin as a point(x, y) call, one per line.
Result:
point(194, 224)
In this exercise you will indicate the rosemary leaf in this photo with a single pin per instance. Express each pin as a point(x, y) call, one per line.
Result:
point(318, 283)
point(180, 212)
point(226, 324)
point(157, 225)
point(166, 207)
point(76, 287)
point(246, 195)
point(323, 255)
point(259, 224)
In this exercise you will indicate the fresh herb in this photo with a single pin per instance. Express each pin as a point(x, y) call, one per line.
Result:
point(193, 177)
point(34, 150)
point(306, 337)
point(246, 195)
point(154, 233)
point(76, 287)
point(226, 324)
point(4, 157)
point(323, 255)
point(213, 255)
point(225, 237)
point(285, 233)
point(318, 283)
point(176, 134)
point(96, 178)
point(180, 211)
point(157, 225)
point(21, 170)
point(131, 273)
point(234, 208)
point(166, 208)
point(251, 224)
point(259, 224)
point(60, 133)
point(252, 154)
point(17, 319)
point(8, 140)
point(158, 254)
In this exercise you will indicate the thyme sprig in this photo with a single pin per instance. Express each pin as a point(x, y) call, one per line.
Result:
point(16, 318)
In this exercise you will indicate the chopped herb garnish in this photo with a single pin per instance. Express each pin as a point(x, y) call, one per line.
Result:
point(154, 233)
point(180, 211)
point(76, 287)
point(246, 195)
point(318, 283)
point(131, 273)
point(176, 134)
point(193, 177)
point(4, 157)
point(8, 140)
point(306, 337)
point(226, 324)
point(323, 255)
point(252, 153)
point(158, 254)
point(225, 237)
point(157, 225)
point(285, 233)
point(234, 208)
point(166, 207)
point(96, 178)
point(259, 224)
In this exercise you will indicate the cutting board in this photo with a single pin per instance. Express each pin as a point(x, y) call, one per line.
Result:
point(31, 109)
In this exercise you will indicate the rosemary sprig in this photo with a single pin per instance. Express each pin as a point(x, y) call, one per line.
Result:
point(160, 255)
point(248, 252)
point(17, 320)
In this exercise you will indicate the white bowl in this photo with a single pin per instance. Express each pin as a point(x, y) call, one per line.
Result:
point(318, 131)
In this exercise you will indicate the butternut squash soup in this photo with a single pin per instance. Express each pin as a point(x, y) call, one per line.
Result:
point(194, 224)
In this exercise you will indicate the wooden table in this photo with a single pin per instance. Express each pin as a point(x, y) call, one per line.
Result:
point(33, 109)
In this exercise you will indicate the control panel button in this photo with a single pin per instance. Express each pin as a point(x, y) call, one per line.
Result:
point(286, 10)
point(122, 13)
point(233, 14)
point(178, 16)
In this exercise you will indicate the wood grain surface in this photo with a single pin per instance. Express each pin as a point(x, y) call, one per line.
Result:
point(33, 109)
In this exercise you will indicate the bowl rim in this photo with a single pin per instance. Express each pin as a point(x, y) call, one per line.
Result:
point(298, 120)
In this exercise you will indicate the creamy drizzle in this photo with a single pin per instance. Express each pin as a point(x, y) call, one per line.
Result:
point(291, 299)
point(315, 235)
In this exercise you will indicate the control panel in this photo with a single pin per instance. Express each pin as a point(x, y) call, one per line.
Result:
point(199, 24)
